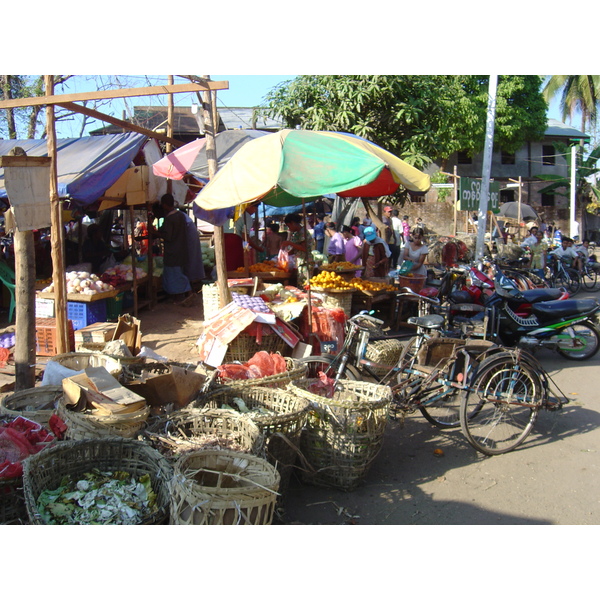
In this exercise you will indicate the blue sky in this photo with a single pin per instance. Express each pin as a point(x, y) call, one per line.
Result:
point(244, 91)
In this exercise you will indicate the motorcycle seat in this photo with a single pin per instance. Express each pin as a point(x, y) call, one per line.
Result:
point(541, 295)
point(427, 322)
point(559, 309)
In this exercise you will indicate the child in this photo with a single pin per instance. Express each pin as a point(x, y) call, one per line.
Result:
point(272, 241)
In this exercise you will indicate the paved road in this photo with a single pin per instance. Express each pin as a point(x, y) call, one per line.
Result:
point(553, 478)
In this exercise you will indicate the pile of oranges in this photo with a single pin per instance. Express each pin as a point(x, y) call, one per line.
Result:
point(371, 286)
point(328, 280)
point(340, 266)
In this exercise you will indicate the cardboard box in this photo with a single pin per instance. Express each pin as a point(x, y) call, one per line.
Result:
point(96, 333)
point(98, 389)
point(174, 385)
point(128, 330)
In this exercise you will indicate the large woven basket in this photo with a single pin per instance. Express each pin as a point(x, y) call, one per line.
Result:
point(46, 470)
point(281, 429)
point(220, 487)
point(343, 434)
point(36, 404)
point(12, 502)
point(296, 369)
point(415, 283)
point(243, 347)
point(200, 429)
point(86, 425)
point(341, 300)
point(78, 361)
point(383, 352)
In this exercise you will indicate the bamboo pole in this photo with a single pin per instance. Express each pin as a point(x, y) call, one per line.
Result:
point(57, 231)
point(133, 264)
point(169, 146)
point(219, 237)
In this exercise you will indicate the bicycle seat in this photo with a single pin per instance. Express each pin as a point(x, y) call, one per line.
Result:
point(427, 322)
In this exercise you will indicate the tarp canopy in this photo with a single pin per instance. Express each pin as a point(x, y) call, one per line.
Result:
point(86, 166)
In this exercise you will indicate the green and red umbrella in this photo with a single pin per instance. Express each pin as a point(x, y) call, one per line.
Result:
point(285, 167)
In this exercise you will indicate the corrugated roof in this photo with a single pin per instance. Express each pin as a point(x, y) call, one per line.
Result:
point(559, 129)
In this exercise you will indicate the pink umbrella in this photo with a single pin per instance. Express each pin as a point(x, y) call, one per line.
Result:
point(191, 158)
point(178, 163)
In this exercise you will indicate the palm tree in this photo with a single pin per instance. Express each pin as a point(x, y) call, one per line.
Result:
point(578, 92)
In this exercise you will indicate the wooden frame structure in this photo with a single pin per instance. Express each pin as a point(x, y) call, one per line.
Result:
point(49, 100)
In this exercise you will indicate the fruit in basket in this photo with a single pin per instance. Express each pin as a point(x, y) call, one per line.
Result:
point(371, 286)
point(340, 266)
point(328, 280)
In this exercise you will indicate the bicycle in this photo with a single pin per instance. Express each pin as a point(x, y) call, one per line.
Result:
point(494, 394)
point(563, 276)
point(429, 375)
point(589, 275)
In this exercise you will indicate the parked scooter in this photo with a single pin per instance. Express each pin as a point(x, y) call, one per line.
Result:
point(567, 326)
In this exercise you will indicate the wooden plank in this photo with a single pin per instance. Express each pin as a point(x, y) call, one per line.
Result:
point(119, 123)
point(25, 161)
point(156, 90)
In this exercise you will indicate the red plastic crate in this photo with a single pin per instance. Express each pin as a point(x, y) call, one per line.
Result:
point(45, 337)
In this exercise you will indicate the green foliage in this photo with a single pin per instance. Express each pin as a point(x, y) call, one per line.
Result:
point(442, 193)
point(418, 118)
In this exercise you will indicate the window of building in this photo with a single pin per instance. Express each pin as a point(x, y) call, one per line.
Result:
point(507, 158)
point(547, 199)
point(463, 158)
point(507, 196)
point(548, 155)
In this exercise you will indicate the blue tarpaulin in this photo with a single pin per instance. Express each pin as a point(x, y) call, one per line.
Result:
point(86, 166)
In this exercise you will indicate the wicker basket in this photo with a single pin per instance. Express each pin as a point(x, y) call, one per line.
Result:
point(281, 430)
point(343, 300)
point(244, 347)
point(46, 470)
point(415, 283)
point(217, 487)
point(78, 361)
point(194, 429)
point(87, 426)
point(12, 502)
point(384, 352)
point(296, 369)
point(36, 404)
point(343, 434)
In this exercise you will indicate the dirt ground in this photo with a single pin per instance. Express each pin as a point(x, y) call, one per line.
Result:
point(551, 479)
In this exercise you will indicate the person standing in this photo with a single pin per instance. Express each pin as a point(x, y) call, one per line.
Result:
point(272, 241)
point(375, 255)
point(416, 251)
point(173, 232)
point(398, 232)
point(319, 233)
point(194, 267)
point(539, 254)
point(405, 229)
point(355, 226)
point(298, 245)
point(389, 236)
point(335, 249)
point(352, 247)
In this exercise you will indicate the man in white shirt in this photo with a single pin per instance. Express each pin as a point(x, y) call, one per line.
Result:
point(567, 254)
point(530, 239)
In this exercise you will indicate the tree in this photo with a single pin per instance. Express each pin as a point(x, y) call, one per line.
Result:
point(418, 118)
point(577, 93)
point(26, 118)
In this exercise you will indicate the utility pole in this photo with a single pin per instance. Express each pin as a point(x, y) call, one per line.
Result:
point(573, 193)
point(487, 167)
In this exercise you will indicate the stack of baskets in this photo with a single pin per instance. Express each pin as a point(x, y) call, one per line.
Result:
point(199, 429)
point(86, 425)
point(244, 346)
point(343, 434)
point(281, 422)
point(47, 469)
point(338, 299)
point(221, 487)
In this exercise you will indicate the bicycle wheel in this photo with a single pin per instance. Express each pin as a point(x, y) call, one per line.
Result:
point(584, 344)
point(443, 412)
point(500, 408)
point(589, 278)
point(574, 281)
point(327, 365)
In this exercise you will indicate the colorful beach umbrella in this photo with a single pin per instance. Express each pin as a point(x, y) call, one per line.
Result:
point(285, 167)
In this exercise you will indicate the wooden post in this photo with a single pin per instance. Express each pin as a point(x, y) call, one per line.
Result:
point(455, 181)
point(219, 237)
point(169, 146)
point(57, 231)
point(133, 264)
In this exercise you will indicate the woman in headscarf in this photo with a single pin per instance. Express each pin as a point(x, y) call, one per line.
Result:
point(375, 254)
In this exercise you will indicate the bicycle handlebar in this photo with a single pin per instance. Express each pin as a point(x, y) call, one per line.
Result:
point(408, 293)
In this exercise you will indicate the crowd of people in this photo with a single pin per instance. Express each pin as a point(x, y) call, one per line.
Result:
point(375, 251)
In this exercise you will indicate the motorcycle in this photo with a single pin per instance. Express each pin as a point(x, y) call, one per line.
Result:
point(567, 326)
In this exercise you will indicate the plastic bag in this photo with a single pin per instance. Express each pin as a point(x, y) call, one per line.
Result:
point(405, 267)
point(54, 373)
point(285, 260)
